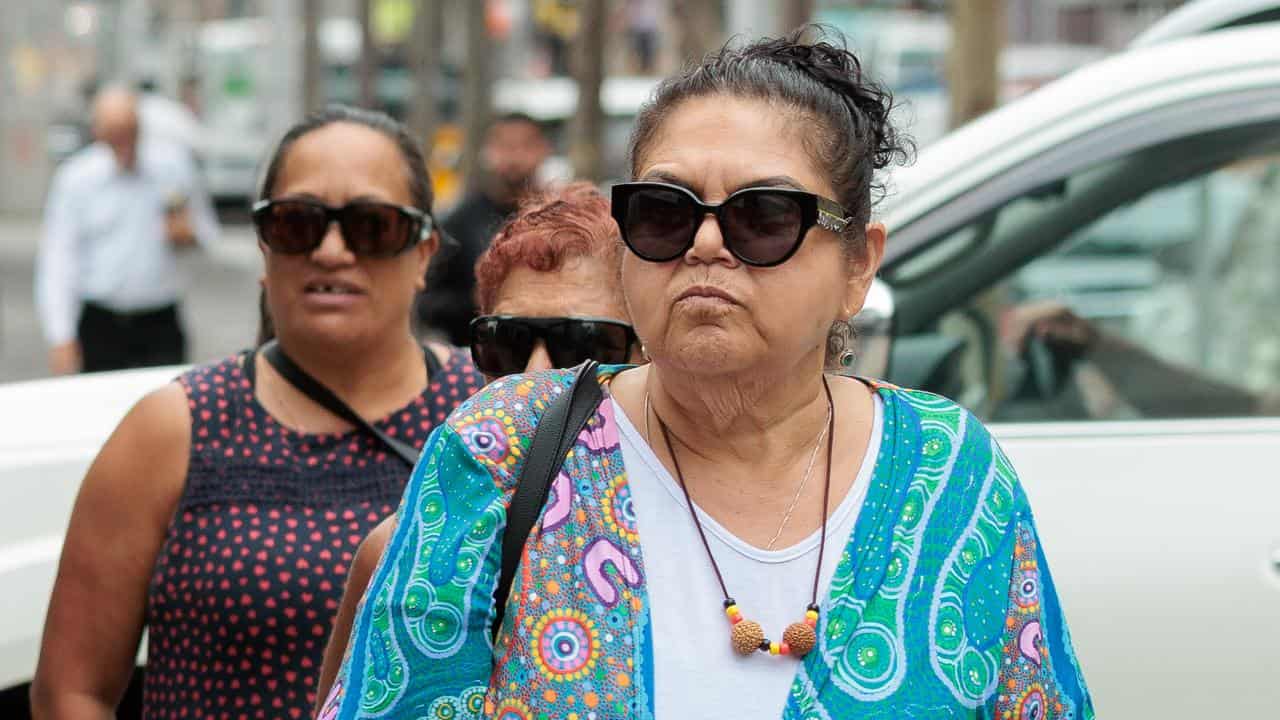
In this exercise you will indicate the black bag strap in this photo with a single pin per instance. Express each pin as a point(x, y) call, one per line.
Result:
point(325, 397)
point(557, 431)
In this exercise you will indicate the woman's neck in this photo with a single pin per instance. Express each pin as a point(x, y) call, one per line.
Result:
point(368, 378)
point(749, 418)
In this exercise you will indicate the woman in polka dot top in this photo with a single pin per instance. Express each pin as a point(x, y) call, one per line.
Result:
point(224, 512)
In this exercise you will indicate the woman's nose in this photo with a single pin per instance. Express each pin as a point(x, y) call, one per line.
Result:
point(708, 242)
point(538, 359)
point(333, 248)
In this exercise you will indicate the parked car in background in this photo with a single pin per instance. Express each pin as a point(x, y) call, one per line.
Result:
point(1143, 193)
point(49, 433)
point(1201, 16)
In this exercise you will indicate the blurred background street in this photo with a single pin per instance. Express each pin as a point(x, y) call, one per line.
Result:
point(225, 77)
point(220, 311)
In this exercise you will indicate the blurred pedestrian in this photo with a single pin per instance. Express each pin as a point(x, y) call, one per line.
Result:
point(549, 289)
point(514, 149)
point(165, 118)
point(118, 213)
point(643, 28)
point(223, 513)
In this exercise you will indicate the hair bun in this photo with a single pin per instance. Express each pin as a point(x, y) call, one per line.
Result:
point(836, 68)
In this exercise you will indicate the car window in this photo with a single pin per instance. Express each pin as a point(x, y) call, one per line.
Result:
point(1146, 286)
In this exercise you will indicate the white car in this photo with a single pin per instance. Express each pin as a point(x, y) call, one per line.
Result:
point(1143, 193)
point(1162, 533)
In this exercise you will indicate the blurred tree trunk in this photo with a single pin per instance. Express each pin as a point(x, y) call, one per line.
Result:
point(586, 146)
point(312, 61)
point(796, 13)
point(476, 89)
point(702, 27)
point(424, 56)
point(368, 67)
point(973, 66)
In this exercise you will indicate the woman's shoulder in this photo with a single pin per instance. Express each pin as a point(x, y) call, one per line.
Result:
point(925, 404)
point(518, 399)
point(942, 432)
point(215, 376)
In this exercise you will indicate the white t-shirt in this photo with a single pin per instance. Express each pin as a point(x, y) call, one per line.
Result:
point(697, 674)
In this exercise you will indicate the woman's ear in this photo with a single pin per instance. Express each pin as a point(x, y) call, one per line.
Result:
point(860, 280)
point(426, 250)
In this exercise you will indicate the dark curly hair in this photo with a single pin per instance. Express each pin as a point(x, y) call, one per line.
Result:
point(822, 81)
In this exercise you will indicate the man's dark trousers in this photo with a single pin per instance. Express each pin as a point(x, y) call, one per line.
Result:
point(111, 340)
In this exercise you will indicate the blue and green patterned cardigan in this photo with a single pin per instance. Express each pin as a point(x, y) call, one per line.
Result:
point(941, 606)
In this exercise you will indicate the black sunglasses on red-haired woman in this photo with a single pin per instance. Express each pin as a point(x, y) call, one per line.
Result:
point(502, 344)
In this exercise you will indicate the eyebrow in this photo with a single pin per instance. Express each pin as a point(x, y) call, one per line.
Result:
point(317, 198)
point(782, 181)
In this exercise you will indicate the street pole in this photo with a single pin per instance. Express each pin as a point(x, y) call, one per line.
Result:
point(476, 100)
point(588, 128)
point(425, 58)
point(702, 25)
point(368, 66)
point(312, 61)
point(973, 67)
point(795, 14)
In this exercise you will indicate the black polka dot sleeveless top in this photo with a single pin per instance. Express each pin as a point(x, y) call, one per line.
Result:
point(255, 561)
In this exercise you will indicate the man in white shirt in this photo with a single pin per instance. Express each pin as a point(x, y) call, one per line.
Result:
point(107, 286)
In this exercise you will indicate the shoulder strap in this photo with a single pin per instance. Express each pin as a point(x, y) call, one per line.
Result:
point(557, 431)
point(325, 397)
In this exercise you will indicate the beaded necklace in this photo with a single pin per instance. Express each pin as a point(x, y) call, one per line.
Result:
point(748, 637)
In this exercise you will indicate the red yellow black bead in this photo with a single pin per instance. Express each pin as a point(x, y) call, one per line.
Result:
point(748, 636)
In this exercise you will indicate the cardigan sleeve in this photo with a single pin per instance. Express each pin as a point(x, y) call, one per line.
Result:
point(420, 644)
point(1039, 675)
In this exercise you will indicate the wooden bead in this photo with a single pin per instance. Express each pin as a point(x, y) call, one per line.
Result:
point(801, 638)
point(747, 636)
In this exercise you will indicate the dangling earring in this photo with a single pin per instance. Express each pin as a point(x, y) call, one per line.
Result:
point(846, 359)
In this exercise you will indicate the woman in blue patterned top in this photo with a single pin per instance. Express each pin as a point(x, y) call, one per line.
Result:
point(738, 532)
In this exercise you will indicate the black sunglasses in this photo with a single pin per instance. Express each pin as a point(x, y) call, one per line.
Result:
point(762, 226)
point(296, 226)
point(502, 344)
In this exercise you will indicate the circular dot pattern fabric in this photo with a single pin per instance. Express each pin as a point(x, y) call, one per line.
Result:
point(251, 571)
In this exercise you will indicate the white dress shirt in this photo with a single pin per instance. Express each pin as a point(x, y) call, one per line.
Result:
point(104, 234)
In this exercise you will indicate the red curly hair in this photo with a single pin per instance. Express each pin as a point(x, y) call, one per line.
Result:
point(548, 230)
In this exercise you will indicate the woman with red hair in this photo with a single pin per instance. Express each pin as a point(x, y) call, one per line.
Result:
point(549, 296)
point(548, 288)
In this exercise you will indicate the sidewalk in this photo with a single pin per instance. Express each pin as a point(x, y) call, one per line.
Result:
point(221, 308)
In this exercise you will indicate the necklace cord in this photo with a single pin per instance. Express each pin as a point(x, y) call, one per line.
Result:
point(826, 498)
point(826, 494)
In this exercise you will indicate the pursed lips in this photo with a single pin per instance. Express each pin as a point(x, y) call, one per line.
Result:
point(707, 292)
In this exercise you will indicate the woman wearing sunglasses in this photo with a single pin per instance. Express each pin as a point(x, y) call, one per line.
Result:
point(224, 512)
point(739, 532)
point(548, 292)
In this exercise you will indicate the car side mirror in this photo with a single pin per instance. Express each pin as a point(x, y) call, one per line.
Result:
point(873, 331)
